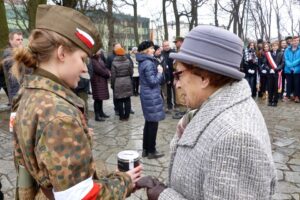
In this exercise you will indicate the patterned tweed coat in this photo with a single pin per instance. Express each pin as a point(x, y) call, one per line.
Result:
point(224, 152)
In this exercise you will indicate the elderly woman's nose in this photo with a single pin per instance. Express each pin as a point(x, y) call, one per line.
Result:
point(177, 83)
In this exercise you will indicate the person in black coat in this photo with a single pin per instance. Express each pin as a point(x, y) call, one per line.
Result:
point(282, 47)
point(168, 73)
point(251, 66)
point(270, 64)
point(99, 85)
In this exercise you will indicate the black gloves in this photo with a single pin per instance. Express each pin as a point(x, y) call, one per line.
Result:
point(153, 185)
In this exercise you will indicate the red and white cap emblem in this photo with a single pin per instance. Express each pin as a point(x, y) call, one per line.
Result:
point(85, 38)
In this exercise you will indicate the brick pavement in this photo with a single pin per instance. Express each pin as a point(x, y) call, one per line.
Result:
point(113, 136)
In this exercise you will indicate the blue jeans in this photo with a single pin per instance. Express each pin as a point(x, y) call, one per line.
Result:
point(252, 83)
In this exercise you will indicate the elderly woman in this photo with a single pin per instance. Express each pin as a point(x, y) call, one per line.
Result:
point(221, 149)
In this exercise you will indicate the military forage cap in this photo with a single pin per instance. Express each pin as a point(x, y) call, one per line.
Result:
point(71, 24)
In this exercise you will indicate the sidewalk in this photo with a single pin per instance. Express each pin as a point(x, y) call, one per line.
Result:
point(113, 136)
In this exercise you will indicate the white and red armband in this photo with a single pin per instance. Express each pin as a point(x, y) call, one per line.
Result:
point(85, 190)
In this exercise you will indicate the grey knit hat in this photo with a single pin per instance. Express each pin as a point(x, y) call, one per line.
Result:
point(214, 49)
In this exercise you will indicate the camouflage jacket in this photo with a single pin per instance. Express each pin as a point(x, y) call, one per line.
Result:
point(52, 141)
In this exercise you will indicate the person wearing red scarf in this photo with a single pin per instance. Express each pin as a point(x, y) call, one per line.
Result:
point(270, 63)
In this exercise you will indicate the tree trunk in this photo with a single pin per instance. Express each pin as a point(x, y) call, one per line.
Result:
point(31, 11)
point(135, 23)
point(3, 27)
point(241, 22)
point(165, 19)
point(110, 25)
point(216, 13)
point(278, 26)
point(177, 18)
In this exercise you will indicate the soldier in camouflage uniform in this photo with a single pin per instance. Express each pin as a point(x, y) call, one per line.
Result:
point(52, 140)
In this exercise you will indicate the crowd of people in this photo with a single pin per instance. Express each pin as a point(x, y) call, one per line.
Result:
point(272, 69)
point(203, 84)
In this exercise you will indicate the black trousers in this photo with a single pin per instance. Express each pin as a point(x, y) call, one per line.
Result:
point(98, 108)
point(289, 84)
point(273, 88)
point(123, 106)
point(149, 136)
point(136, 83)
point(297, 85)
point(171, 95)
point(116, 104)
point(263, 85)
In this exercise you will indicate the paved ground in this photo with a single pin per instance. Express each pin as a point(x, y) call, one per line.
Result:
point(113, 136)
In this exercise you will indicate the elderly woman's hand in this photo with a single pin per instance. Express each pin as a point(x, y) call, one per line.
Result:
point(153, 185)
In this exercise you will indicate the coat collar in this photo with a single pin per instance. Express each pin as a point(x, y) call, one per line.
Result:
point(217, 103)
point(35, 81)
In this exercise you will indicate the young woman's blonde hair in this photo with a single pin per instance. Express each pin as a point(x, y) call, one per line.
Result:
point(42, 44)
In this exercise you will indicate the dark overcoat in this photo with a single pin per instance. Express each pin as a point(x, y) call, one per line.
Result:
point(99, 79)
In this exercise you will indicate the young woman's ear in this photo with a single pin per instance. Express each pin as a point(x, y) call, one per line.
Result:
point(61, 53)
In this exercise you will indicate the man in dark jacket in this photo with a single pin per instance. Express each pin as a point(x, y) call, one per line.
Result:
point(83, 87)
point(168, 74)
point(15, 41)
point(2, 80)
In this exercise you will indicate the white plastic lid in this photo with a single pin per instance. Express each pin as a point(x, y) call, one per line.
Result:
point(128, 155)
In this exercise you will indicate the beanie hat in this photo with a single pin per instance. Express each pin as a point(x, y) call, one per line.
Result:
point(213, 49)
point(145, 45)
point(156, 47)
point(71, 24)
point(120, 52)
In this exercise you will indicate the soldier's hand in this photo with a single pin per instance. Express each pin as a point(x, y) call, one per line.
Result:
point(135, 174)
point(91, 132)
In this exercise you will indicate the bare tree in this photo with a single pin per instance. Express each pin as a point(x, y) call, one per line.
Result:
point(289, 5)
point(165, 19)
point(236, 9)
point(31, 11)
point(177, 17)
point(277, 9)
point(110, 24)
point(261, 17)
point(20, 18)
point(191, 13)
point(216, 13)
point(133, 3)
point(3, 27)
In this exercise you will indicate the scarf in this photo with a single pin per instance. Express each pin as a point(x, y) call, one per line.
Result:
point(274, 66)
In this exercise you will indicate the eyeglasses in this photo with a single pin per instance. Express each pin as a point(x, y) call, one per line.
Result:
point(177, 74)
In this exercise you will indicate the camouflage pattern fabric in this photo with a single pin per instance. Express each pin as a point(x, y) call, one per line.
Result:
point(52, 141)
